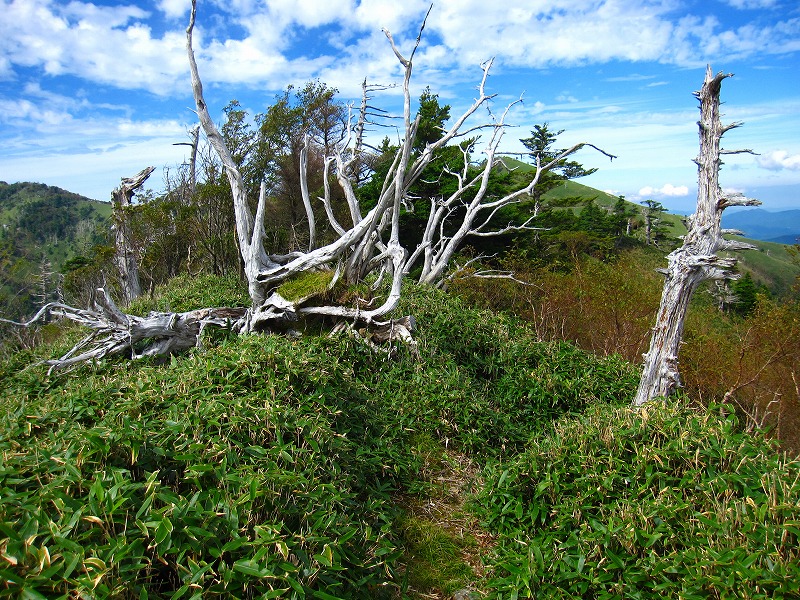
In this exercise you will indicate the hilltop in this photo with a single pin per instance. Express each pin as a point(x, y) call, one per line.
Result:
point(771, 264)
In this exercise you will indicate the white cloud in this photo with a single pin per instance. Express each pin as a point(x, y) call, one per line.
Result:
point(632, 77)
point(103, 44)
point(371, 15)
point(566, 97)
point(778, 160)
point(93, 172)
point(174, 8)
point(734, 191)
point(750, 4)
point(544, 33)
point(665, 191)
point(119, 46)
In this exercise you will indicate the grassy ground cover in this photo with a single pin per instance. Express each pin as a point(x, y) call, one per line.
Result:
point(267, 467)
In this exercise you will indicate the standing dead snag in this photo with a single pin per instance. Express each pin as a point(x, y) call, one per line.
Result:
point(696, 260)
point(125, 256)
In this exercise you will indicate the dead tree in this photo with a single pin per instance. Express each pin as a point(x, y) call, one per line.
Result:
point(368, 244)
point(696, 260)
point(114, 332)
point(125, 256)
point(194, 134)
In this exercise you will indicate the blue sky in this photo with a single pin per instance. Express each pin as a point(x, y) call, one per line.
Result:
point(92, 92)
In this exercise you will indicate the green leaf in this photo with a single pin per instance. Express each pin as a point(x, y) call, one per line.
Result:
point(248, 567)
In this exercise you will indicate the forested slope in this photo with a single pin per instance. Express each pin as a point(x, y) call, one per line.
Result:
point(42, 228)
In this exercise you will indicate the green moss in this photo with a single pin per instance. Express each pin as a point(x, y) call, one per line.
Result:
point(306, 285)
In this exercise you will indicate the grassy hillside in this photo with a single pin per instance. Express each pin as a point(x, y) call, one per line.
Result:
point(317, 468)
point(573, 189)
point(771, 265)
point(47, 216)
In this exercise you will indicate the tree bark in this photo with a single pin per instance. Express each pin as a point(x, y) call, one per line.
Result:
point(125, 254)
point(696, 260)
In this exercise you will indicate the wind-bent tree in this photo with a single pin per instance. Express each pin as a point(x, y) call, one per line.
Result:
point(696, 260)
point(367, 239)
point(654, 227)
point(540, 145)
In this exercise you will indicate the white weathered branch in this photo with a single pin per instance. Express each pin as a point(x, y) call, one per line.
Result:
point(737, 199)
point(116, 333)
point(312, 228)
point(125, 256)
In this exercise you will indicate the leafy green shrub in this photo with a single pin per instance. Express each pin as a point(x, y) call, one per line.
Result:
point(268, 467)
point(263, 466)
point(487, 384)
point(260, 467)
point(664, 503)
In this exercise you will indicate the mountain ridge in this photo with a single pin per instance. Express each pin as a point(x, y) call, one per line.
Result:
point(760, 224)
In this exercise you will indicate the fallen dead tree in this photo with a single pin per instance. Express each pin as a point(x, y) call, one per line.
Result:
point(114, 332)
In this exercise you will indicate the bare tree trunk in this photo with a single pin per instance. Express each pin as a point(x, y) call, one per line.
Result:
point(696, 260)
point(648, 225)
point(191, 185)
point(125, 256)
point(193, 160)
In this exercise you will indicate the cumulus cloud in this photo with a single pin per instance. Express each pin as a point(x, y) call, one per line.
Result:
point(103, 44)
point(778, 160)
point(263, 43)
point(665, 191)
point(173, 8)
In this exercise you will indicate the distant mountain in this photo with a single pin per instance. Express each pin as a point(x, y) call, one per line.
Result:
point(758, 224)
point(41, 228)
